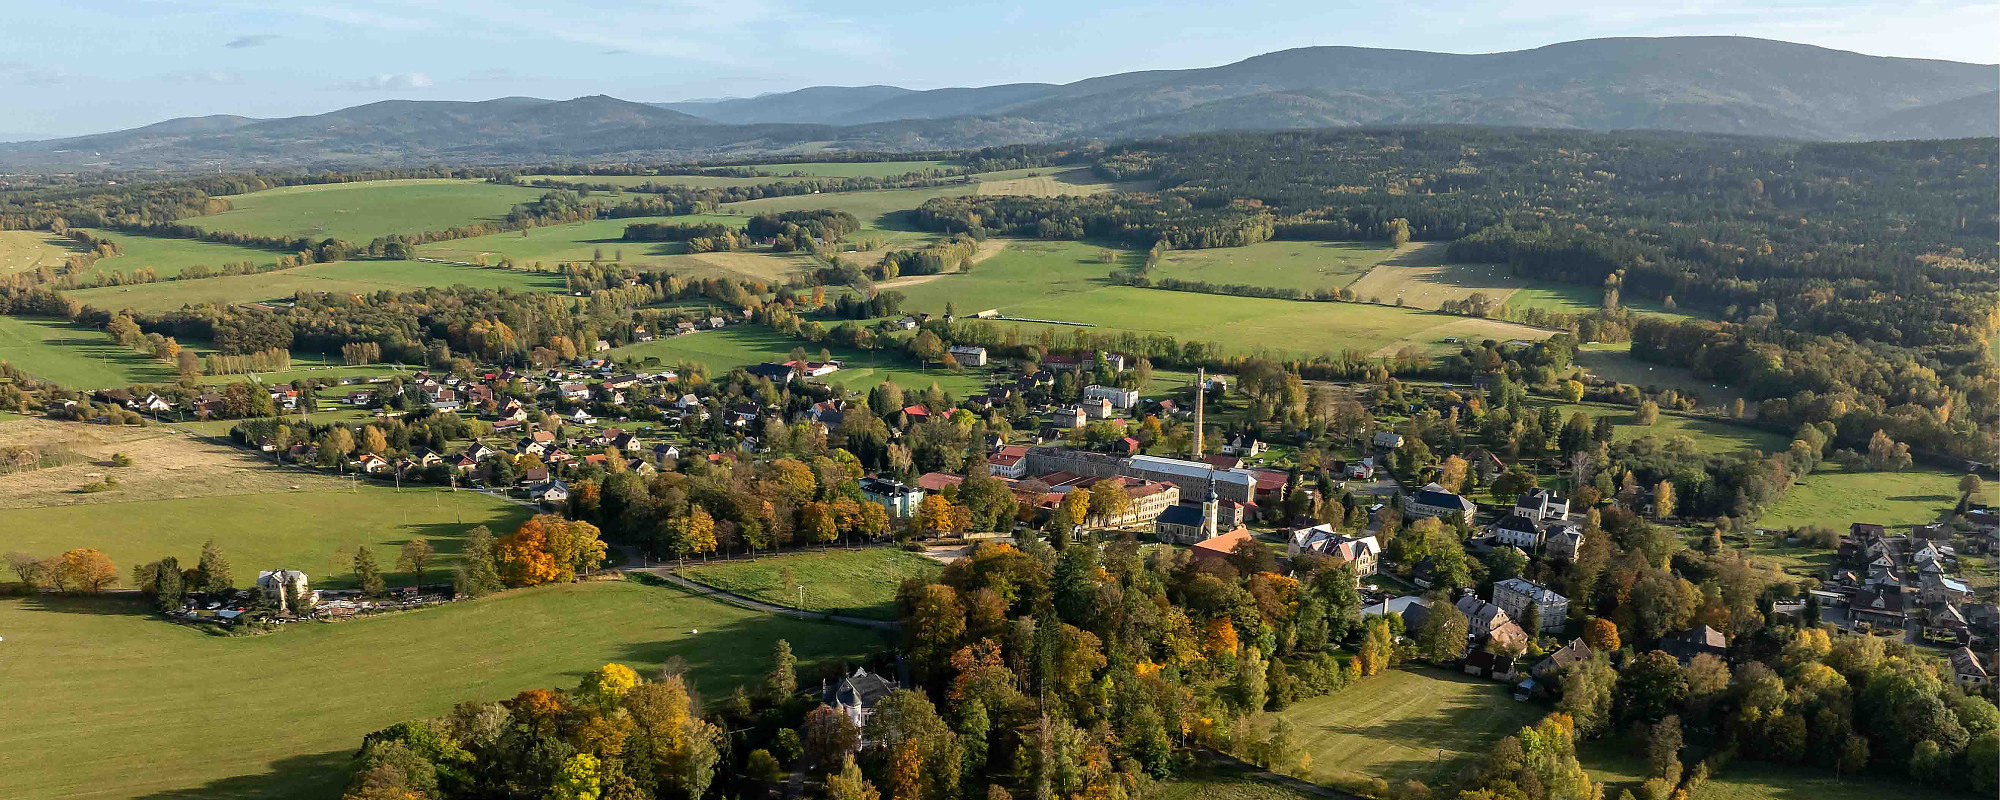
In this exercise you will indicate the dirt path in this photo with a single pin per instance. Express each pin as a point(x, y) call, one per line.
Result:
point(987, 249)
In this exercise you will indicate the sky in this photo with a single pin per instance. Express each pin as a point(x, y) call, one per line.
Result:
point(85, 66)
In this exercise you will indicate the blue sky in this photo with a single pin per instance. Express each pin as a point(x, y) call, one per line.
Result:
point(95, 65)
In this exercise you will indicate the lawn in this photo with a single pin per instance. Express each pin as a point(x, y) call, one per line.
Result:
point(353, 277)
point(1577, 298)
point(1833, 498)
point(1307, 266)
point(359, 212)
point(860, 582)
point(1064, 282)
point(106, 703)
point(75, 356)
point(1227, 782)
point(1744, 779)
point(315, 531)
point(742, 345)
point(169, 256)
point(1421, 724)
point(1709, 435)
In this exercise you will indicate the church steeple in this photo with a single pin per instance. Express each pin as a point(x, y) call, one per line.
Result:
point(1209, 506)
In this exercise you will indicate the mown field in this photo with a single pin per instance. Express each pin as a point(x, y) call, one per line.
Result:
point(1833, 498)
point(1307, 266)
point(1710, 436)
point(315, 531)
point(1228, 782)
point(169, 256)
point(845, 169)
point(354, 277)
point(859, 583)
point(602, 240)
point(75, 356)
point(1064, 281)
point(1057, 182)
point(104, 703)
point(1411, 723)
point(359, 212)
point(25, 250)
point(1576, 298)
point(742, 345)
point(1614, 362)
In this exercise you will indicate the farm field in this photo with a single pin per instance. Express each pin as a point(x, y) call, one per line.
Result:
point(1745, 779)
point(882, 212)
point(1306, 266)
point(165, 465)
point(1063, 281)
point(859, 583)
point(1228, 782)
point(316, 531)
point(1575, 298)
point(1710, 436)
point(846, 169)
point(354, 277)
point(1421, 724)
point(74, 356)
point(1418, 276)
point(169, 256)
point(359, 212)
point(1614, 362)
point(1056, 182)
point(601, 239)
point(1833, 498)
point(21, 251)
point(98, 691)
point(742, 345)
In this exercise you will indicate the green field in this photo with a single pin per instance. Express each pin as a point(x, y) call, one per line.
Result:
point(74, 356)
point(1709, 435)
point(1228, 782)
point(855, 169)
point(103, 702)
point(601, 239)
point(883, 213)
point(21, 251)
point(1614, 362)
point(1306, 266)
point(1832, 498)
point(1576, 298)
point(1064, 281)
point(169, 256)
point(1744, 779)
point(860, 583)
point(359, 212)
point(353, 277)
point(314, 531)
point(742, 345)
point(1421, 724)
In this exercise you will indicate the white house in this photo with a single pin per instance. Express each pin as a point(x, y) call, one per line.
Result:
point(1542, 504)
point(1360, 551)
point(1520, 531)
point(899, 499)
point(1122, 399)
point(969, 355)
point(1095, 407)
point(278, 585)
point(1388, 440)
point(1515, 595)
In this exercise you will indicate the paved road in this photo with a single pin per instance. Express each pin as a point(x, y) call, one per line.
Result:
point(667, 573)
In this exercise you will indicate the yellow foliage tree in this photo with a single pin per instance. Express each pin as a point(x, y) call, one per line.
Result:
point(87, 570)
point(606, 686)
point(934, 515)
point(1218, 639)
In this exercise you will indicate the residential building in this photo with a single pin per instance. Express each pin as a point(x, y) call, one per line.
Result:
point(1542, 505)
point(855, 697)
point(898, 499)
point(1565, 542)
point(1687, 644)
point(1562, 658)
point(1095, 407)
point(969, 355)
point(1520, 531)
point(1965, 664)
point(1388, 440)
point(1009, 462)
point(1434, 501)
point(281, 587)
point(1071, 417)
point(1243, 444)
point(1121, 399)
point(1363, 552)
point(552, 492)
point(1516, 595)
point(1879, 606)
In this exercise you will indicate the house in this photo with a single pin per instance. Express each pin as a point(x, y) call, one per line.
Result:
point(1562, 658)
point(360, 398)
point(1879, 606)
point(1687, 644)
point(1071, 417)
point(574, 392)
point(855, 696)
point(1497, 666)
point(900, 500)
point(907, 323)
point(1484, 464)
point(1488, 622)
point(281, 587)
point(582, 417)
point(622, 440)
point(1940, 589)
point(1565, 542)
point(1965, 664)
point(666, 453)
point(1542, 505)
point(551, 492)
point(1363, 470)
point(968, 355)
point(1009, 462)
point(1518, 530)
point(373, 464)
point(1095, 407)
point(1434, 501)
point(1243, 444)
point(772, 371)
point(1516, 595)
point(1121, 399)
point(1219, 547)
point(1363, 552)
point(1111, 361)
point(1388, 440)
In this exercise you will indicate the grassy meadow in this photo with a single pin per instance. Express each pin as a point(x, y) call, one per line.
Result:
point(21, 251)
point(314, 531)
point(353, 277)
point(602, 240)
point(76, 356)
point(846, 169)
point(742, 345)
point(1833, 498)
point(169, 256)
point(1709, 435)
point(859, 583)
point(1614, 362)
point(1057, 182)
point(1065, 282)
point(106, 703)
point(1307, 266)
point(1408, 723)
point(359, 212)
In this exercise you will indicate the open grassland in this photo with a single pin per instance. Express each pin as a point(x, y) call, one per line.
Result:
point(351, 277)
point(166, 464)
point(169, 256)
point(1744, 779)
point(359, 212)
point(21, 251)
point(743, 345)
point(106, 703)
point(845, 169)
point(1063, 281)
point(1306, 266)
point(1709, 435)
point(1418, 276)
point(1576, 298)
point(1228, 782)
point(1421, 724)
point(1057, 182)
point(602, 240)
point(75, 356)
point(316, 531)
point(859, 583)
point(1833, 498)
point(1614, 362)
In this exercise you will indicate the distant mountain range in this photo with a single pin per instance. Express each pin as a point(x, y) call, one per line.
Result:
point(1711, 84)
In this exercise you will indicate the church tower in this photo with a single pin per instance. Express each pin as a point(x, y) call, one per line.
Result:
point(1209, 506)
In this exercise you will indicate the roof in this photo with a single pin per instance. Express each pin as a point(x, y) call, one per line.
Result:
point(1221, 544)
point(1186, 516)
point(1435, 496)
point(1193, 469)
point(1270, 479)
point(862, 689)
point(1965, 662)
point(1576, 652)
point(1516, 522)
point(936, 481)
point(1535, 593)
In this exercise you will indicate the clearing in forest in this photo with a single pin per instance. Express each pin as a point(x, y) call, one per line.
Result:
point(1305, 266)
point(1057, 183)
point(1419, 277)
point(21, 251)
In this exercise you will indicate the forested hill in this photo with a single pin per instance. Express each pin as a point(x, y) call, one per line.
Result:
point(1713, 84)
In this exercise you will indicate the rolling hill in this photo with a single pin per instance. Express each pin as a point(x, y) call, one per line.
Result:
point(1707, 84)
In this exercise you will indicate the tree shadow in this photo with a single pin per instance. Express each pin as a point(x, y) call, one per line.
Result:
point(1926, 498)
point(121, 604)
point(316, 775)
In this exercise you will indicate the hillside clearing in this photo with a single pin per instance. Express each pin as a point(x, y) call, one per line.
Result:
point(1057, 183)
point(1408, 724)
point(21, 251)
point(1833, 498)
point(743, 345)
point(1419, 278)
point(166, 464)
point(359, 212)
point(1306, 266)
point(75, 356)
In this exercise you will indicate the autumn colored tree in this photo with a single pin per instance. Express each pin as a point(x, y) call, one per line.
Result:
point(683, 745)
point(212, 572)
point(797, 478)
point(932, 631)
point(830, 737)
point(523, 556)
point(934, 515)
point(606, 687)
point(818, 524)
point(416, 555)
point(1452, 474)
point(88, 570)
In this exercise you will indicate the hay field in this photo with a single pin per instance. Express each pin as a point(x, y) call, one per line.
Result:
point(75, 356)
point(359, 212)
point(1056, 183)
point(1419, 276)
point(1306, 266)
point(166, 464)
point(21, 251)
point(354, 277)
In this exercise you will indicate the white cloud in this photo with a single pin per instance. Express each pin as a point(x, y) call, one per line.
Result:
point(214, 77)
point(33, 74)
point(389, 82)
point(251, 40)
